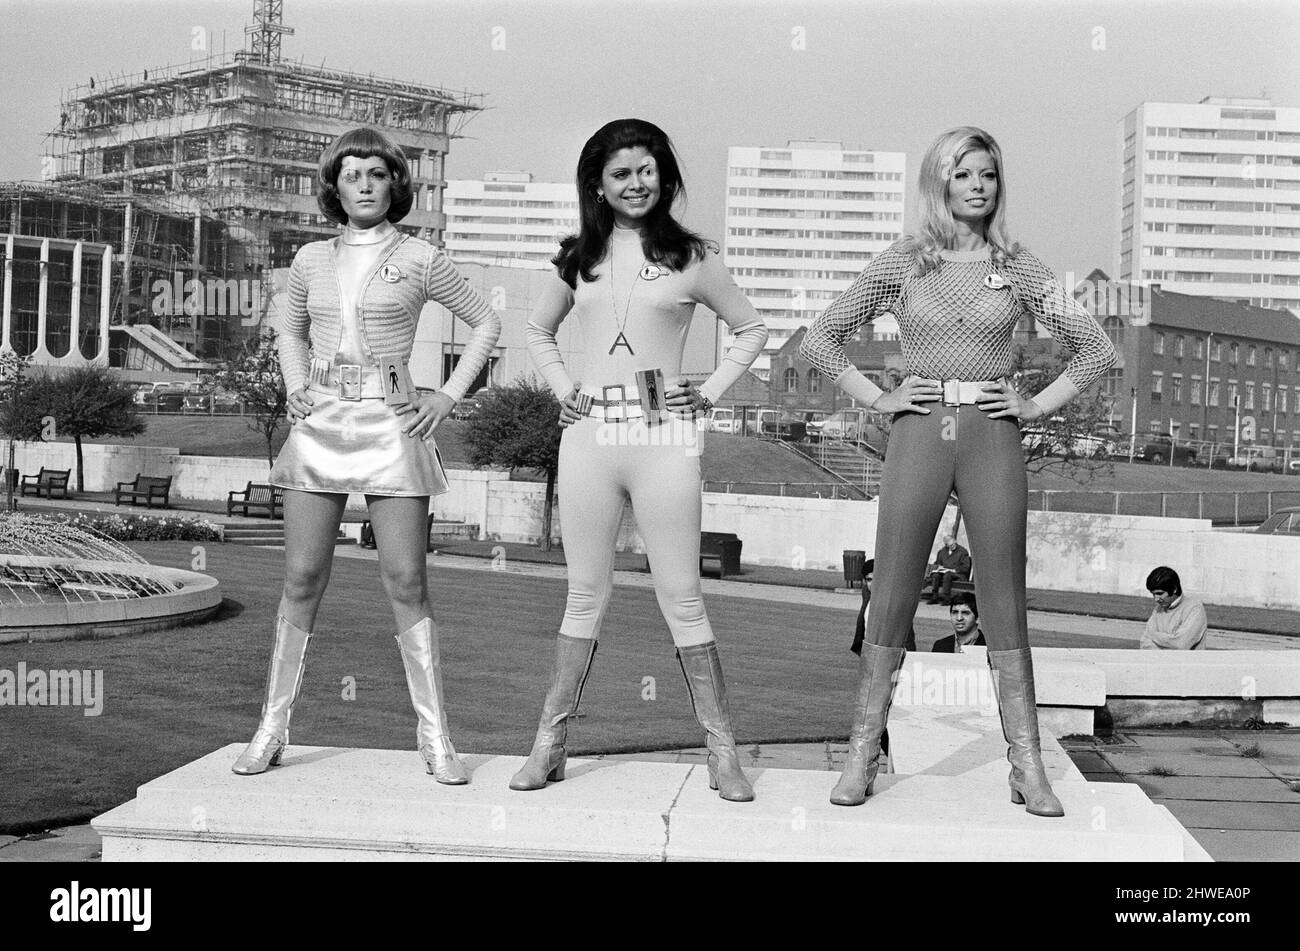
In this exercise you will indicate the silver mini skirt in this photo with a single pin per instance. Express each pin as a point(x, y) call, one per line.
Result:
point(357, 446)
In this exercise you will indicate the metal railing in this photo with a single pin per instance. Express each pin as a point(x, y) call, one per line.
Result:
point(1221, 508)
point(803, 490)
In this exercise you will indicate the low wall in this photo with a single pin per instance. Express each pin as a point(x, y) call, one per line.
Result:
point(1108, 554)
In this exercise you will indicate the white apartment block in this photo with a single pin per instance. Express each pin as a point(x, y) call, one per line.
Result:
point(1210, 200)
point(802, 222)
point(508, 219)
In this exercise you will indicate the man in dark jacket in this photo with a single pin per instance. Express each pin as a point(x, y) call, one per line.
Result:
point(951, 563)
point(965, 617)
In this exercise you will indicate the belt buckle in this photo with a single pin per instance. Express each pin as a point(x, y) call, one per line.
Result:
point(621, 402)
point(952, 392)
point(350, 382)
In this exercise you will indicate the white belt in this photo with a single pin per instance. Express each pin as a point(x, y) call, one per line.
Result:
point(959, 392)
point(613, 406)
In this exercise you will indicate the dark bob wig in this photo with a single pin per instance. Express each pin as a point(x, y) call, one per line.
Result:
point(663, 240)
point(363, 143)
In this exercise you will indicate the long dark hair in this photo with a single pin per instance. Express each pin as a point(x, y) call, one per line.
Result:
point(663, 240)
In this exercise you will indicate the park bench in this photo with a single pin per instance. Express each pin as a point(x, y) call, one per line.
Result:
point(368, 534)
point(257, 495)
point(47, 483)
point(149, 488)
point(722, 547)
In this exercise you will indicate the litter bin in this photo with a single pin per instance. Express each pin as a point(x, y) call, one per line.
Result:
point(853, 563)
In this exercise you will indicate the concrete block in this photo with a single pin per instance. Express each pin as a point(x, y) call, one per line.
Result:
point(378, 804)
point(1241, 674)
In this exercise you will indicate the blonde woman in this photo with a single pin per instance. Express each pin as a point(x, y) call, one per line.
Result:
point(958, 287)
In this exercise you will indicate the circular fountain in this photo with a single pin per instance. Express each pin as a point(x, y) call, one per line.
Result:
point(61, 581)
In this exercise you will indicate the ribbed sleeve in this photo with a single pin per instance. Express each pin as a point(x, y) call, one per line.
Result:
point(445, 285)
point(292, 338)
point(716, 289)
point(549, 312)
point(1038, 292)
point(874, 292)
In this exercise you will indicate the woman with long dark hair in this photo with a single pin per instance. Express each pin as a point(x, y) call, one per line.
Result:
point(958, 289)
point(359, 425)
point(632, 277)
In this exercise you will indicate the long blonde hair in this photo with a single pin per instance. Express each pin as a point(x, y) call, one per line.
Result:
point(938, 229)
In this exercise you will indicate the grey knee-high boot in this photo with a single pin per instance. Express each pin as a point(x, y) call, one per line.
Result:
point(283, 681)
point(1013, 678)
point(573, 656)
point(870, 714)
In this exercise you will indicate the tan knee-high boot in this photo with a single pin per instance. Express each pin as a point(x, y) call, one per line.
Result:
point(573, 656)
point(702, 669)
point(283, 681)
point(1013, 679)
point(871, 712)
point(419, 646)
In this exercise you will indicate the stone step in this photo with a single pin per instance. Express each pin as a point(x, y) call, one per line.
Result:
point(329, 804)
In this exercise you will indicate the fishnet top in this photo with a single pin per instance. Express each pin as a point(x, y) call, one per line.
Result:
point(951, 324)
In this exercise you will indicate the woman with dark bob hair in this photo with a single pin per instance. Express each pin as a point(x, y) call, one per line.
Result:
point(958, 287)
point(632, 277)
point(359, 425)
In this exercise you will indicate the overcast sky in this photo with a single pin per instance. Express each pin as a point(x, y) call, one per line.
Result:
point(1050, 80)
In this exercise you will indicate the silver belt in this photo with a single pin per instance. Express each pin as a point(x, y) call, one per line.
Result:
point(613, 405)
point(353, 382)
point(959, 392)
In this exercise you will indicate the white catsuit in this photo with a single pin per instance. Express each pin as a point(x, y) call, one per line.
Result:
point(603, 465)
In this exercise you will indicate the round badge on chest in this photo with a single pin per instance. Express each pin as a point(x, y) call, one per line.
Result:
point(390, 274)
point(651, 272)
point(994, 282)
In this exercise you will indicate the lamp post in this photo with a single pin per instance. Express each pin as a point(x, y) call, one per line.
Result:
point(1205, 400)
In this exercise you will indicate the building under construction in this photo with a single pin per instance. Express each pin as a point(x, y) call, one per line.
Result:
point(206, 171)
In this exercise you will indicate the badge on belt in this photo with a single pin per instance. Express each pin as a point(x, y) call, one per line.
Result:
point(396, 374)
point(651, 389)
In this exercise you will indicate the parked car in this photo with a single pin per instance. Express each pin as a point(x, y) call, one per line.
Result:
point(466, 408)
point(164, 398)
point(1161, 447)
point(1256, 459)
point(1282, 522)
point(722, 419)
point(211, 401)
point(145, 392)
point(1087, 446)
point(843, 424)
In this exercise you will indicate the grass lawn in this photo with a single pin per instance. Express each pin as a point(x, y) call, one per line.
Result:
point(172, 696)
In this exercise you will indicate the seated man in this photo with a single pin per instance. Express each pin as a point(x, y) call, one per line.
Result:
point(1178, 621)
point(951, 563)
point(965, 616)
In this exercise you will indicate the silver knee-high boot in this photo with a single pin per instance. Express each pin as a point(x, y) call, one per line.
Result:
point(283, 681)
point(1013, 678)
point(419, 645)
point(573, 656)
point(702, 669)
point(871, 712)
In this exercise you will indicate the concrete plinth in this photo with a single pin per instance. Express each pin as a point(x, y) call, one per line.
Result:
point(327, 804)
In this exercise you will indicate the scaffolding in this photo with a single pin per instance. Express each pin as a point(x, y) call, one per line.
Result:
point(237, 138)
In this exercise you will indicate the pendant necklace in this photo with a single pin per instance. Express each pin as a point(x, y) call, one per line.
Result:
point(647, 272)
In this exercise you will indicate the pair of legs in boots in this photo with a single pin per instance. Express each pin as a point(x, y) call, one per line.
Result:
point(311, 523)
point(597, 476)
point(929, 456)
